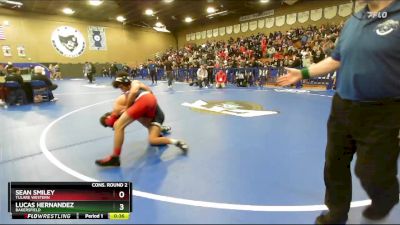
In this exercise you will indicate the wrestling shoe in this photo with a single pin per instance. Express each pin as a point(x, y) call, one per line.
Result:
point(328, 218)
point(109, 161)
point(183, 146)
point(374, 212)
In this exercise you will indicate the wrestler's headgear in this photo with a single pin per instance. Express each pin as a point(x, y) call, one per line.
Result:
point(122, 78)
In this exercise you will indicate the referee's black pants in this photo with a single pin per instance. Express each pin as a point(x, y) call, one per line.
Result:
point(370, 129)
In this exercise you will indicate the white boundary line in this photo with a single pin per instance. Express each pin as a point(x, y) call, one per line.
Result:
point(182, 201)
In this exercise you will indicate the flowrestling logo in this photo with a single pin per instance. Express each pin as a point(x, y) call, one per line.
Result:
point(234, 108)
point(68, 41)
point(387, 27)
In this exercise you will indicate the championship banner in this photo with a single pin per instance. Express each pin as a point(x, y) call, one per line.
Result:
point(97, 38)
point(345, 9)
point(21, 51)
point(198, 35)
point(203, 34)
point(302, 17)
point(291, 18)
point(236, 28)
point(209, 33)
point(280, 21)
point(261, 24)
point(253, 25)
point(244, 27)
point(192, 36)
point(215, 32)
point(330, 12)
point(221, 31)
point(316, 14)
point(269, 22)
point(6, 51)
point(229, 29)
point(187, 37)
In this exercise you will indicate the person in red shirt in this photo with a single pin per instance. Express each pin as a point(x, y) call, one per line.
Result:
point(220, 79)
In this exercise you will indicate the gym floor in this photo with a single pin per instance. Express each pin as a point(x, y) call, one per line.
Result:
point(261, 169)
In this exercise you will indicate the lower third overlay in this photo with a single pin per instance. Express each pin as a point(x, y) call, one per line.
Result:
point(70, 200)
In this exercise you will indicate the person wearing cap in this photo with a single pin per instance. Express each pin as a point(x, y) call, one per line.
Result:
point(365, 112)
point(141, 105)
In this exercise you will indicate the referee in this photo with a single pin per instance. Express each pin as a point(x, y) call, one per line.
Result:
point(365, 112)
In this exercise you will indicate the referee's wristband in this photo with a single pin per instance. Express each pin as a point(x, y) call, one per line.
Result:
point(305, 73)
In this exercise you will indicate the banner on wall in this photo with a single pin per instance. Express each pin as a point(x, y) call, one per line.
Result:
point(68, 41)
point(330, 12)
point(221, 31)
point(244, 27)
point(209, 33)
point(21, 51)
point(215, 32)
point(229, 29)
point(253, 25)
point(269, 22)
point(198, 35)
point(236, 28)
point(192, 36)
point(302, 17)
point(2, 35)
point(97, 38)
point(187, 37)
point(203, 34)
point(291, 18)
point(280, 21)
point(6, 51)
point(261, 24)
point(345, 9)
point(316, 14)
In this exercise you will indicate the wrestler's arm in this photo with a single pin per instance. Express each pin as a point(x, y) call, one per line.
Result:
point(119, 105)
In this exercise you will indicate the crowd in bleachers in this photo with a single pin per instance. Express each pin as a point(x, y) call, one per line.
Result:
point(249, 58)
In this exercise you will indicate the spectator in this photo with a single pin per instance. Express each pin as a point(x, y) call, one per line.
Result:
point(168, 69)
point(89, 71)
point(220, 79)
point(57, 72)
point(15, 93)
point(202, 76)
point(152, 71)
point(39, 75)
point(365, 113)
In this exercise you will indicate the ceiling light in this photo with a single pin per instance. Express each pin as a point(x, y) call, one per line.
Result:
point(68, 11)
point(121, 19)
point(15, 3)
point(188, 19)
point(264, 1)
point(211, 10)
point(168, 1)
point(159, 24)
point(95, 2)
point(149, 12)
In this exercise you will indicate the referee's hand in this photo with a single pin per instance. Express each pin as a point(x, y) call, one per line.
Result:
point(290, 77)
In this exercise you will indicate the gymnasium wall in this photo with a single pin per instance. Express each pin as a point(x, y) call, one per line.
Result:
point(230, 21)
point(125, 44)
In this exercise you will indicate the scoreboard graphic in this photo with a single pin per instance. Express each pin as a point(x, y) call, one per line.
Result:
point(70, 200)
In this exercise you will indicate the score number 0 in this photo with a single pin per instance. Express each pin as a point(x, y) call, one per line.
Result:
point(121, 195)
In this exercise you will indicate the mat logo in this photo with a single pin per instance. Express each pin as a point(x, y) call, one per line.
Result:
point(234, 108)
point(68, 41)
point(292, 91)
point(387, 27)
